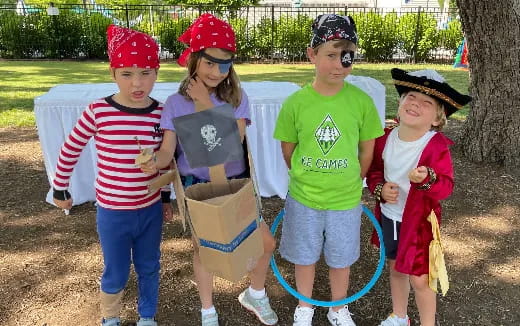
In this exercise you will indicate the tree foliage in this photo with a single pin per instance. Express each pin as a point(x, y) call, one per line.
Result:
point(378, 35)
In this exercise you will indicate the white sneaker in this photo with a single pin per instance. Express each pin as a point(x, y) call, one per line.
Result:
point(340, 317)
point(393, 320)
point(210, 319)
point(303, 316)
point(260, 307)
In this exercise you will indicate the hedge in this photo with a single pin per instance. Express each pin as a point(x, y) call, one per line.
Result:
point(74, 34)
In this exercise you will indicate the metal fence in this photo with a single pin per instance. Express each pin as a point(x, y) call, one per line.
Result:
point(264, 33)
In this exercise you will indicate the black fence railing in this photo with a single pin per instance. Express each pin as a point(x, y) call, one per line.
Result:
point(264, 33)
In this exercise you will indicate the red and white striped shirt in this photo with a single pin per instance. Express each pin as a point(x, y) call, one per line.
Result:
point(120, 184)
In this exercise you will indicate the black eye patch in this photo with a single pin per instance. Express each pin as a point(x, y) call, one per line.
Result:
point(223, 64)
point(347, 58)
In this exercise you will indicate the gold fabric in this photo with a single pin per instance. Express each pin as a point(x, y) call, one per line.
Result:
point(438, 274)
point(428, 91)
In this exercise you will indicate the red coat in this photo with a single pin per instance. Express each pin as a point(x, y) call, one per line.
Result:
point(416, 233)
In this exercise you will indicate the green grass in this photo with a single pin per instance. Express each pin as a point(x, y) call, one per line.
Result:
point(22, 81)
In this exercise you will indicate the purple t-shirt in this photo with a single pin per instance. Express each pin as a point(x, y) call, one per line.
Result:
point(176, 106)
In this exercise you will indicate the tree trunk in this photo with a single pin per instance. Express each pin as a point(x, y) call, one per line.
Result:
point(492, 129)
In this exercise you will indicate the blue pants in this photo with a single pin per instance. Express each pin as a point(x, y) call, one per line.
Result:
point(128, 236)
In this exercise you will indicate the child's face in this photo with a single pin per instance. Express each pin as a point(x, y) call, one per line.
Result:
point(135, 84)
point(209, 71)
point(329, 69)
point(418, 110)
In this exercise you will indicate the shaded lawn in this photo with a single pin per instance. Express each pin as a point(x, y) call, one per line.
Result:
point(50, 263)
point(22, 81)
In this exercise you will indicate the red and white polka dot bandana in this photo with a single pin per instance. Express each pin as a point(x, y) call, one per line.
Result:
point(207, 31)
point(129, 48)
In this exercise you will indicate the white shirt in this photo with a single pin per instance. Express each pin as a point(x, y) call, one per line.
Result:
point(400, 158)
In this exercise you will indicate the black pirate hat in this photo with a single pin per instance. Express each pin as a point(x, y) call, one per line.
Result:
point(329, 27)
point(429, 82)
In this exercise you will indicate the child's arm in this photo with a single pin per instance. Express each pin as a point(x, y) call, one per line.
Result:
point(164, 155)
point(366, 153)
point(435, 178)
point(166, 192)
point(376, 177)
point(387, 191)
point(69, 155)
point(166, 203)
point(287, 151)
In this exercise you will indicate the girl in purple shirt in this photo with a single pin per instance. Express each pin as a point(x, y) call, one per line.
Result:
point(212, 81)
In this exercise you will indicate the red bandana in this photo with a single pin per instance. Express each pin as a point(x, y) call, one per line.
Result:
point(129, 48)
point(207, 31)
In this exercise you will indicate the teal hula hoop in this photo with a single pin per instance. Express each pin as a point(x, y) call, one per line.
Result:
point(347, 300)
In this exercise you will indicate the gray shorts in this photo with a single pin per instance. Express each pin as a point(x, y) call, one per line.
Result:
point(305, 231)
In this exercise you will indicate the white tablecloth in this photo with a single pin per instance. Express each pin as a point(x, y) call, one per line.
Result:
point(375, 89)
point(58, 110)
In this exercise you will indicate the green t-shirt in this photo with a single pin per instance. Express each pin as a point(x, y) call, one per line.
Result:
point(325, 170)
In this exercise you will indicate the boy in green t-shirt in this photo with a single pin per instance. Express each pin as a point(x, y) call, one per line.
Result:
point(327, 130)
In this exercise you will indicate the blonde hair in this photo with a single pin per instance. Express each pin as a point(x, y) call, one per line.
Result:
point(228, 90)
point(440, 116)
point(339, 43)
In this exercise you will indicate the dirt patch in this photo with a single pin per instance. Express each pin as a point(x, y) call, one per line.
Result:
point(51, 263)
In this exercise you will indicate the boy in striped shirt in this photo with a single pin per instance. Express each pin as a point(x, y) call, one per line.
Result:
point(129, 218)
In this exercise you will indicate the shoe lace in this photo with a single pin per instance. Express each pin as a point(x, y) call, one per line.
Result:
point(344, 314)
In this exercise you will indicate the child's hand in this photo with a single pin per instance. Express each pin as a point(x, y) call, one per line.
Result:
point(144, 156)
point(199, 93)
point(418, 175)
point(390, 192)
point(167, 212)
point(63, 204)
point(149, 167)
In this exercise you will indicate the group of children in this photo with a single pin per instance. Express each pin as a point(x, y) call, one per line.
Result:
point(408, 169)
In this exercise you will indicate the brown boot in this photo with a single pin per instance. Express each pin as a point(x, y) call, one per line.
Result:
point(110, 307)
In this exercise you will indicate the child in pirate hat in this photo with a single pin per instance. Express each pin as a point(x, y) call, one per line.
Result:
point(410, 174)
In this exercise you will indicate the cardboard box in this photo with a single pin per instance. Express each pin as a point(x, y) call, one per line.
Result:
point(220, 213)
point(223, 215)
point(224, 218)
